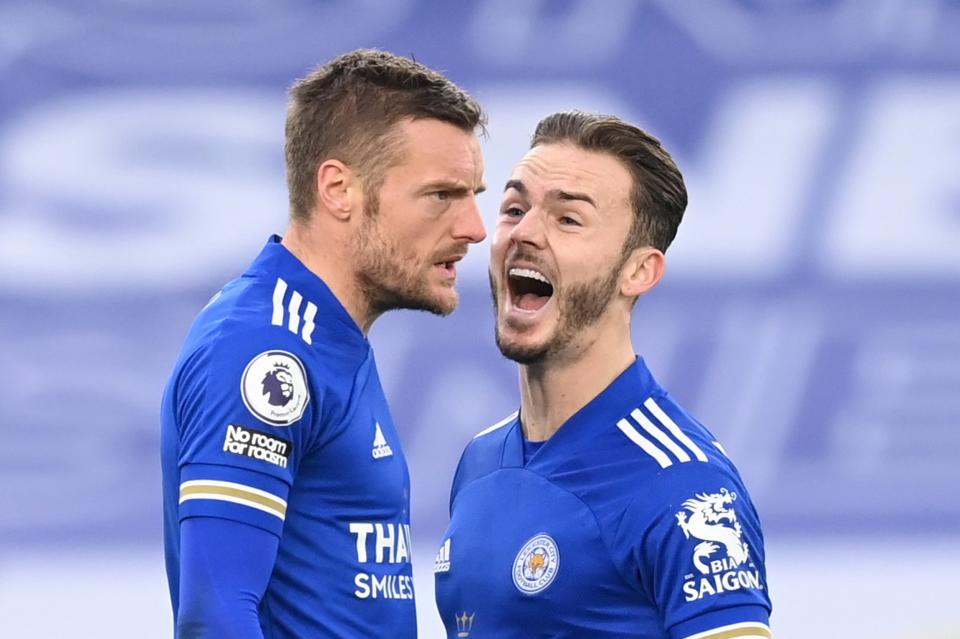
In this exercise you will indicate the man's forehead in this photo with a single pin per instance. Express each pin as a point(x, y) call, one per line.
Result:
point(443, 151)
point(432, 138)
point(555, 169)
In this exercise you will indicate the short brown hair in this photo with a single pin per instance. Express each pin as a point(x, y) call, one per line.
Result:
point(659, 195)
point(347, 108)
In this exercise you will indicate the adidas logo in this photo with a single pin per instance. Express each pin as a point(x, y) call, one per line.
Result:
point(380, 446)
point(442, 562)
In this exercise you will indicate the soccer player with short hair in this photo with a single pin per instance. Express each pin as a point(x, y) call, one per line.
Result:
point(601, 508)
point(285, 488)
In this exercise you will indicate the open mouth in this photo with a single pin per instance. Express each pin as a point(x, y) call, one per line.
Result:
point(530, 290)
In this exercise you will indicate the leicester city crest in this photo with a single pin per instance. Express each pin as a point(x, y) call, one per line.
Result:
point(274, 388)
point(536, 564)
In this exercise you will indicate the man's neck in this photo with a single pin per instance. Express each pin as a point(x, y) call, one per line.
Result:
point(552, 391)
point(330, 264)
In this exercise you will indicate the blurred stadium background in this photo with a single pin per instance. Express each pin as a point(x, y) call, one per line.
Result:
point(810, 315)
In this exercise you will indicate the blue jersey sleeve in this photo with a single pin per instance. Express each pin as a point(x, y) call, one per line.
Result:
point(245, 409)
point(224, 570)
point(697, 548)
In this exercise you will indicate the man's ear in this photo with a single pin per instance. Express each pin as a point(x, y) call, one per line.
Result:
point(642, 271)
point(339, 192)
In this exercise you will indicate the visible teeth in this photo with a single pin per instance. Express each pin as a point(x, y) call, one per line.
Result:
point(525, 272)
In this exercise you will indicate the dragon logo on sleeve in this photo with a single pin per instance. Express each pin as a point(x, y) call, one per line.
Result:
point(706, 522)
point(710, 517)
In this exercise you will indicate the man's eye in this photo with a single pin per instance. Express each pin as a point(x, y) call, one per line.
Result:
point(442, 195)
point(569, 221)
point(513, 211)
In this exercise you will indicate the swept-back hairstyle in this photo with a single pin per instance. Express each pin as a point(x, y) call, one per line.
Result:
point(658, 196)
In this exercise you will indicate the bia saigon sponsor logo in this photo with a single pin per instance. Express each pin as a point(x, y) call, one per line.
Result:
point(274, 388)
point(721, 555)
point(536, 564)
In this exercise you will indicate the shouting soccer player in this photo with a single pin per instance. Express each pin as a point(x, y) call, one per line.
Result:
point(286, 492)
point(602, 508)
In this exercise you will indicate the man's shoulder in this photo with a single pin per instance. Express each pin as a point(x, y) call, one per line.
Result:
point(640, 469)
point(657, 454)
point(660, 434)
point(270, 310)
point(484, 452)
point(243, 325)
point(650, 442)
point(240, 315)
point(258, 305)
point(494, 433)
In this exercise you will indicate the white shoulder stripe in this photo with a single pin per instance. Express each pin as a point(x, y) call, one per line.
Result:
point(743, 630)
point(658, 412)
point(308, 324)
point(278, 292)
point(648, 447)
point(294, 307)
point(503, 422)
point(659, 435)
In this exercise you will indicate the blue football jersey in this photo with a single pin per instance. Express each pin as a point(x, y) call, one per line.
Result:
point(274, 416)
point(629, 522)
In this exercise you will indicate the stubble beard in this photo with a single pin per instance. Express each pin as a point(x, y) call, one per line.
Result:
point(580, 306)
point(386, 275)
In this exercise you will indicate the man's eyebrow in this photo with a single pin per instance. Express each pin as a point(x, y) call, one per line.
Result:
point(516, 185)
point(454, 187)
point(568, 196)
point(557, 194)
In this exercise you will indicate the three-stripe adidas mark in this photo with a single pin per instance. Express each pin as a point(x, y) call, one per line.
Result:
point(442, 562)
point(293, 311)
point(661, 439)
point(381, 448)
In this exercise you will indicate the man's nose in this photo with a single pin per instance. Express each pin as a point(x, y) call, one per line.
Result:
point(469, 225)
point(529, 229)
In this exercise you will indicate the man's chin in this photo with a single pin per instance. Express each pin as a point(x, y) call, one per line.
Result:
point(443, 304)
point(397, 299)
point(522, 353)
point(436, 305)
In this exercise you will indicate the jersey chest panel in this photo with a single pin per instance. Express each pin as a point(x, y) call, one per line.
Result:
point(349, 513)
point(527, 559)
point(358, 468)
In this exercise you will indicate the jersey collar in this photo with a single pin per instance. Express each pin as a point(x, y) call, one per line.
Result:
point(623, 394)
